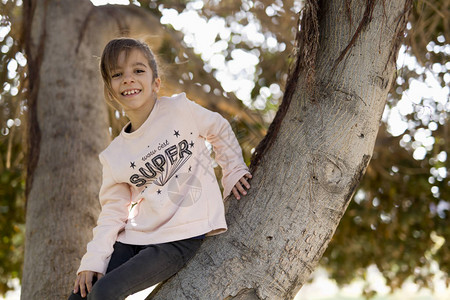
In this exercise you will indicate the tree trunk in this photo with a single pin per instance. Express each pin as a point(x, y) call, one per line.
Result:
point(314, 156)
point(69, 125)
point(68, 128)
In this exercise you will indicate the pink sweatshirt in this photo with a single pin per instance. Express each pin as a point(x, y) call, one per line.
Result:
point(159, 183)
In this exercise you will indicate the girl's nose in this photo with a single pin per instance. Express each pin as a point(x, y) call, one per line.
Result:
point(128, 78)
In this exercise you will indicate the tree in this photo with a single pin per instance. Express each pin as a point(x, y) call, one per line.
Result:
point(319, 144)
point(319, 141)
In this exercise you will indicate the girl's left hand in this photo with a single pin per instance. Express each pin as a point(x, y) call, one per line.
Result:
point(239, 189)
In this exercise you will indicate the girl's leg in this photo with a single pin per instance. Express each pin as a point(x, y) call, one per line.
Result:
point(153, 264)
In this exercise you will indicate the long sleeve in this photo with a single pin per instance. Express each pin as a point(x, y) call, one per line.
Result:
point(114, 199)
point(228, 153)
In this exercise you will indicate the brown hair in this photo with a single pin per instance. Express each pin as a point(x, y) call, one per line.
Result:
point(110, 57)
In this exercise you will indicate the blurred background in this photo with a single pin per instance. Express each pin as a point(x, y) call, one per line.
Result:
point(392, 243)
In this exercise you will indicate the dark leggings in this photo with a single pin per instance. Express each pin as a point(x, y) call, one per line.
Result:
point(134, 268)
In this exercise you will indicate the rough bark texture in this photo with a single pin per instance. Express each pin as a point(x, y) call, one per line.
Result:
point(311, 164)
point(308, 169)
point(68, 127)
point(64, 181)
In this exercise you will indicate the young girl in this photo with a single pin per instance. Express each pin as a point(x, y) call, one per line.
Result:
point(159, 195)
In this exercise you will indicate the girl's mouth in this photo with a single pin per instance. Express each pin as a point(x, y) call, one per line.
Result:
point(131, 92)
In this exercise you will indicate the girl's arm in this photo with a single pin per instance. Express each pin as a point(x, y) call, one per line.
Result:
point(228, 153)
point(115, 200)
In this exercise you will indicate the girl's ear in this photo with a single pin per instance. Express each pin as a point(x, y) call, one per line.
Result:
point(156, 85)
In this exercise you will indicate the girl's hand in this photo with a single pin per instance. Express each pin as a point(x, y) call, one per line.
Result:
point(84, 280)
point(238, 188)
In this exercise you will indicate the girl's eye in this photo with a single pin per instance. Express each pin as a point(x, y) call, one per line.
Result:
point(140, 71)
point(115, 75)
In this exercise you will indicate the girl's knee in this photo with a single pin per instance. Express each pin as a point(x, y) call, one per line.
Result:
point(76, 297)
point(101, 290)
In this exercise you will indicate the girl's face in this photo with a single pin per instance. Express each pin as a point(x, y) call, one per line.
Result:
point(133, 84)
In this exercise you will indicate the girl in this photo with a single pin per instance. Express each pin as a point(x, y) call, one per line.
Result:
point(159, 194)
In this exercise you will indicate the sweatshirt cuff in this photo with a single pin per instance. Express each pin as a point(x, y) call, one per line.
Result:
point(94, 264)
point(229, 181)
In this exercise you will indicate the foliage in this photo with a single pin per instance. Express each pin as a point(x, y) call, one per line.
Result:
point(394, 222)
point(399, 217)
point(12, 168)
point(12, 186)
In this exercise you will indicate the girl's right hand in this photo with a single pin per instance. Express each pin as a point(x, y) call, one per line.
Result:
point(84, 281)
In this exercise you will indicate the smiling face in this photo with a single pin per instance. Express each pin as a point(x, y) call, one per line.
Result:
point(133, 84)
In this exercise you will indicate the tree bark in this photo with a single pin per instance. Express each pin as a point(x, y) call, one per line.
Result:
point(316, 152)
point(69, 119)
